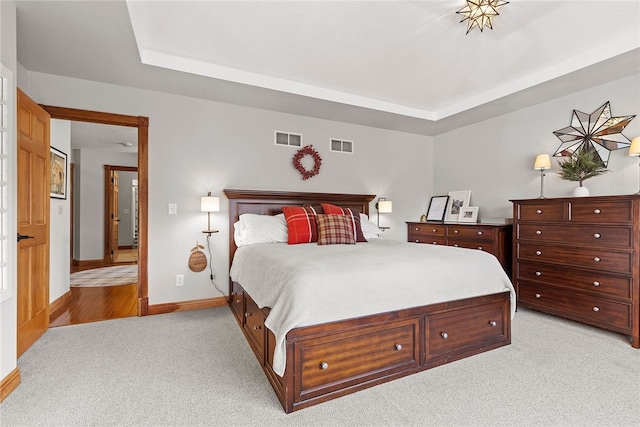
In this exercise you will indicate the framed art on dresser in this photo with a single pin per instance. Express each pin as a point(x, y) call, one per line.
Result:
point(468, 214)
point(437, 207)
point(457, 200)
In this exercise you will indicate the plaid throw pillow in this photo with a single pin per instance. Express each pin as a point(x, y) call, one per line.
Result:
point(353, 216)
point(335, 230)
point(301, 224)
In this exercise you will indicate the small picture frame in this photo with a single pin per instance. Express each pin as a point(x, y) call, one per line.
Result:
point(468, 214)
point(58, 173)
point(457, 200)
point(437, 208)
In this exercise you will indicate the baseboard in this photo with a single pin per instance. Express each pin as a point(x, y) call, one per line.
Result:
point(89, 262)
point(9, 383)
point(58, 303)
point(198, 304)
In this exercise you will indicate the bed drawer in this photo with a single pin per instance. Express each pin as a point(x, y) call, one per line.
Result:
point(326, 364)
point(254, 325)
point(236, 302)
point(585, 308)
point(458, 331)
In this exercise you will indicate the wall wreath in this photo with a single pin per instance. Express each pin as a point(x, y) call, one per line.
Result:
point(317, 161)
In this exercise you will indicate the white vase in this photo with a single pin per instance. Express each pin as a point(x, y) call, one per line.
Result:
point(580, 192)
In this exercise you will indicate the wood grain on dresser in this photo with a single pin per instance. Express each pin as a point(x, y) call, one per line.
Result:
point(579, 258)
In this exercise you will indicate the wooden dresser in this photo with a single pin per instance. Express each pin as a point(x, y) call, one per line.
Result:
point(579, 258)
point(492, 238)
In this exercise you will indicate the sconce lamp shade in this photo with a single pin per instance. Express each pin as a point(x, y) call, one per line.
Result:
point(543, 162)
point(385, 206)
point(209, 203)
point(634, 150)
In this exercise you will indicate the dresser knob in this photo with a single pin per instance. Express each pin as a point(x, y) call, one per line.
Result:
point(417, 240)
point(596, 309)
point(538, 273)
point(444, 335)
point(538, 253)
point(324, 365)
point(597, 235)
point(538, 296)
point(456, 231)
point(434, 230)
point(539, 211)
point(493, 323)
point(456, 245)
point(596, 259)
point(596, 211)
point(538, 232)
point(480, 233)
point(417, 228)
point(480, 247)
point(434, 243)
point(596, 283)
point(398, 347)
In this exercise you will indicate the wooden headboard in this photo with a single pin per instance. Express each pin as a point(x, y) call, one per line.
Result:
point(271, 203)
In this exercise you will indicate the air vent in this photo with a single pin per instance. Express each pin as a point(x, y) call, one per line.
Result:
point(287, 138)
point(341, 145)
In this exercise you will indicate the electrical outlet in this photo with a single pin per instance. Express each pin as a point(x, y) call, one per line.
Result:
point(173, 208)
point(179, 279)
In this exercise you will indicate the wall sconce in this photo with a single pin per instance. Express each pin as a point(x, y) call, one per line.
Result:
point(634, 151)
point(543, 163)
point(209, 204)
point(383, 206)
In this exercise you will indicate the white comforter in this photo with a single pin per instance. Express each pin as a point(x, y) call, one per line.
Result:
point(308, 284)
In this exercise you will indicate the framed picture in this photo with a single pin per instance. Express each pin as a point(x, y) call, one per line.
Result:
point(58, 169)
point(468, 214)
point(437, 207)
point(457, 200)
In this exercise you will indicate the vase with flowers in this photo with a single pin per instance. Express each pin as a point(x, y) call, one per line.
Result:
point(583, 164)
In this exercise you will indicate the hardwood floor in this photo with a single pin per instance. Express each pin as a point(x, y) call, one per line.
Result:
point(97, 304)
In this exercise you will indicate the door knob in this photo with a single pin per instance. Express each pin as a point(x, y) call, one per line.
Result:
point(23, 237)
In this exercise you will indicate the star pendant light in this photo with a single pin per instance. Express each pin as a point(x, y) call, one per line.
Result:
point(479, 13)
point(598, 131)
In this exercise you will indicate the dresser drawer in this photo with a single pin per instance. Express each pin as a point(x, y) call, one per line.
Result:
point(427, 233)
point(486, 246)
point(580, 280)
point(327, 364)
point(589, 235)
point(590, 257)
point(549, 211)
point(465, 329)
point(475, 232)
point(609, 212)
point(592, 310)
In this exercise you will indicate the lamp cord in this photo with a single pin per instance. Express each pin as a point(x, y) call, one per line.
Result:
point(211, 275)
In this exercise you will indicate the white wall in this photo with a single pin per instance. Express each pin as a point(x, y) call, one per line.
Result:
point(60, 216)
point(494, 159)
point(196, 146)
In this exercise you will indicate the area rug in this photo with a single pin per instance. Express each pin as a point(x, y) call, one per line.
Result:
point(106, 276)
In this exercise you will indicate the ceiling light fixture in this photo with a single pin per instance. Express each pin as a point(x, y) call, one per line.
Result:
point(479, 13)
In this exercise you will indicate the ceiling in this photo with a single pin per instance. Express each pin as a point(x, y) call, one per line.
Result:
point(397, 65)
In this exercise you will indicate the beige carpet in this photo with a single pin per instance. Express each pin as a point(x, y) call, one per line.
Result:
point(107, 276)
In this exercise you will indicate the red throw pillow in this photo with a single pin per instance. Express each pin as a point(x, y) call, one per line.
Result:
point(355, 218)
point(301, 224)
point(335, 230)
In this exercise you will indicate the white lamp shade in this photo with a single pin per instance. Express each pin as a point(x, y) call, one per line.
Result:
point(543, 162)
point(385, 206)
point(634, 150)
point(210, 204)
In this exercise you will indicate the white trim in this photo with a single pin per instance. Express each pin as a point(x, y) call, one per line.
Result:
point(289, 135)
point(342, 144)
point(7, 129)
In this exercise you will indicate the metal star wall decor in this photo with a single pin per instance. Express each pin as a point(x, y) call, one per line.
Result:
point(480, 13)
point(598, 131)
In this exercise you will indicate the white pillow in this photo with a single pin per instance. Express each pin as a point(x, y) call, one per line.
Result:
point(252, 228)
point(369, 229)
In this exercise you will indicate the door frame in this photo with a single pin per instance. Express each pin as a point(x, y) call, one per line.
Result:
point(107, 206)
point(142, 124)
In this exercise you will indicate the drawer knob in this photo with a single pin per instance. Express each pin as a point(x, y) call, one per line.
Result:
point(417, 228)
point(596, 283)
point(597, 235)
point(238, 301)
point(434, 230)
point(596, 211)
point(538, 253)
point(538, 296)
point(455, 245)
point(538, 232)
point(596, 259)
point(596, 309)
point(257, 328)
point(480, 247)
point(538, 273)
point(434, 243)
point(324, 365)
point(398, 347)
point(539, 211)
point(444, 335)
point(456, 231)
point(417, 240)
point(480, 233)
point(493, 323)
point(247, 314)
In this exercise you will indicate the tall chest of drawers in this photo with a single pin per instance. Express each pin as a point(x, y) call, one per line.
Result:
point(579, 258)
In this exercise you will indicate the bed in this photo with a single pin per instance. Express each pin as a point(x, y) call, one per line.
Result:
point(311, 361)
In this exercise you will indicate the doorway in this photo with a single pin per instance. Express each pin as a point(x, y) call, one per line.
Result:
point(136, 293)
